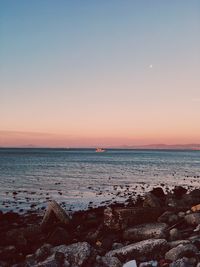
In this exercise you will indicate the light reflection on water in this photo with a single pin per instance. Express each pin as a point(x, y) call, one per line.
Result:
point(77, 177)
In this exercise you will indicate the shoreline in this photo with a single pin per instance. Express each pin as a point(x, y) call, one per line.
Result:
point(99, 229)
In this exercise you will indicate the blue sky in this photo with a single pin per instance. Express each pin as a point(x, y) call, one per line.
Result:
point(101, 69)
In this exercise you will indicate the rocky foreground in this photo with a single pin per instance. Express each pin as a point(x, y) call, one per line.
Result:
point(158, 230)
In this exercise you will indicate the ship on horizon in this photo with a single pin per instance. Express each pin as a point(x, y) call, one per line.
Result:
point(100, 150)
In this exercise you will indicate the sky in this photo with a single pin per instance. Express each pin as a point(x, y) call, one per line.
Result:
point(99, 73)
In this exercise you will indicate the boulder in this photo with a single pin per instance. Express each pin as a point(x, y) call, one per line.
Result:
point(78, 254)
point(140, 249)
point(180, 251)
point(145, 231)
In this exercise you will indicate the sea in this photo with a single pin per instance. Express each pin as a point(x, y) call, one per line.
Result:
point(82, 178)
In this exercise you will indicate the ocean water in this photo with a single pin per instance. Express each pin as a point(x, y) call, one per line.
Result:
point(76, 178)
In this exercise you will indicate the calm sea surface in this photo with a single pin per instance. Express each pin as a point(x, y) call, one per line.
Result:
point(77, 177)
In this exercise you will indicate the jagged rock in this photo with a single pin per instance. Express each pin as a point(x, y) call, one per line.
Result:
point(193, 218)
point(142, 248)
point(152, 201)
point(180, 251)
point(145, 231)
point(54, 209)
point(59, 237)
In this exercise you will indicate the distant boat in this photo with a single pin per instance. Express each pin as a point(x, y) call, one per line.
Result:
point(100, 150)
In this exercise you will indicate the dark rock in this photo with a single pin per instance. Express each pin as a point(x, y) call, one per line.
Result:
point(179, 191)
point(193, 219)
point(8, 253)
point(158, 192)
point(195, 193)
point(59, 257)
point(150, 200)
point(59, 237)
point(168, 217)
point(43, 252)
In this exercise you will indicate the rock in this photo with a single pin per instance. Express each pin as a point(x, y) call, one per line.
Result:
point(78, 254)
point(183, 262)
point(117, 245)
point(181, 214)
point(178, 242)
point(145, 231)
point(174, 234)
point(180, 251)
point(110, 220)
point(168, 217)
point(193, 219)
point(59, 257)
point(54, 209)
point(130, 264)
point(7, 253)
point(139, 249)
point(43, 252)
point(109, 262)
point(173, 219)
point(16, 237)
point(59, 237)
point(121, 218)
point(152, 201)
point(195, 193)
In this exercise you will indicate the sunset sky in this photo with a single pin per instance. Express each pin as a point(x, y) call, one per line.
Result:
point(99, 73)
